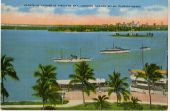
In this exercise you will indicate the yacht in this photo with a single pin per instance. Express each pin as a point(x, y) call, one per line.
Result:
point(72, 58)
point(65, 60)
point(145, 48)
point(115, 50)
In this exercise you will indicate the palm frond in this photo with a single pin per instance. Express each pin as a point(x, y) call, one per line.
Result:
point(110, 91)
point(46, 86)
point(118, 85)
point(82, 74)
point(4, 92)
point(7, 67)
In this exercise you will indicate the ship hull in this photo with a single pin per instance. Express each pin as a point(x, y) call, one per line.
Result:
point(114, 52)
point(71, 60)
point(146, 49)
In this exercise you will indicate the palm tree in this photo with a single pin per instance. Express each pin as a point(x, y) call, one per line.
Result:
point(7, 69)
point(119, 86)
point(101, 101)
point(46, 86)
point(151, 75)
point(83, 73)
point(134, 101)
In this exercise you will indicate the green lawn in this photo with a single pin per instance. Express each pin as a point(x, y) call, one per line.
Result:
point(109, 106)
point(31, 103)
point(21, 108)
point(114, 106)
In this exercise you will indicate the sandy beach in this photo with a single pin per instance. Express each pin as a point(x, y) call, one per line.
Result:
point(144, 97)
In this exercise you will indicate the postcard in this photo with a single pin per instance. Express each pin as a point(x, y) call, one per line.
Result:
point(84, 55)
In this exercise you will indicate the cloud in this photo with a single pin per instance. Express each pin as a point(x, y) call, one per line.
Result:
point(8, 9)
point(77, 15)
point(42, 10)
point(75, 10)
point(103, 11)
point(148, 11)
point(39, 10)
point(124, 9)
point(155, 8)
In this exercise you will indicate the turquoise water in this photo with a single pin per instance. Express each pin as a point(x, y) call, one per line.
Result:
point(31, 48)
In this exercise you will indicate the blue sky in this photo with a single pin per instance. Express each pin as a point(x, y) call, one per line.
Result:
point(129, 2)
point(113, 11)
point(147, 8)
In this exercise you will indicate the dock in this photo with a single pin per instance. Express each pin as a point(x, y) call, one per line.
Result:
point(64, 84)
point(141, 85)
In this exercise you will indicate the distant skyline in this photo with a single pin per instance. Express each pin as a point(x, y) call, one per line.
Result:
point(150, 11)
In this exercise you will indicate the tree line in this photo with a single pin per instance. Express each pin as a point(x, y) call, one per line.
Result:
point(86, 28)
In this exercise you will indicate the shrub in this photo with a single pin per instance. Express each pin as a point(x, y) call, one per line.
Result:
point(130, 106)
point(49, 108)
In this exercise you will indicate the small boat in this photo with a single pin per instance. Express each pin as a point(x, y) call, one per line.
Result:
point(114, 50)
point(65, 60)
point(72, 59)
point(145, 48)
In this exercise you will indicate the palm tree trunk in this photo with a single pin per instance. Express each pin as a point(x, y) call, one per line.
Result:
point(149, 94)
point(83, 93)
point(117, 99)
point(43, 103)
point(3, 98)
point(2, 84)
point(83, 97)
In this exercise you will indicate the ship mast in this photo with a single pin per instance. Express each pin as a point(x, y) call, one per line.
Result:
point(142, 56)
point(113, 45)
point(80, 52)
point(61, 52)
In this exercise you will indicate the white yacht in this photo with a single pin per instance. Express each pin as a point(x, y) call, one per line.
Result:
point(115, 50)
point(72, 58)
point(144, 48)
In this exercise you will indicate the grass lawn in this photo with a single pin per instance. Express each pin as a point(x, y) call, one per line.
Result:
point(114, 106)
point(31, 103)
point(21, 108)
point(109, 106)
point(23, 103)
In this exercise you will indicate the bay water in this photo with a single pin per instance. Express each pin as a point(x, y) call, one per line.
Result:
point(29, 48)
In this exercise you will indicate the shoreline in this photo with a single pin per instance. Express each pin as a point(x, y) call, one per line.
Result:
point(86, 31)
point(85, 28)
